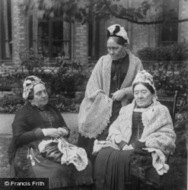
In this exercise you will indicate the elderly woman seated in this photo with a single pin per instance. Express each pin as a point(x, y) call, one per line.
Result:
point(39, 148)
point(134, 155)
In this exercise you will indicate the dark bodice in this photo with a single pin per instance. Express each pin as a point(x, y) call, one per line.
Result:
point(28, 123)
point(49, 118)
point(118, 73)
point(137, 127)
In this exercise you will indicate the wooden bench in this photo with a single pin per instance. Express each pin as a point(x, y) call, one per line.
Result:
point(173, 103)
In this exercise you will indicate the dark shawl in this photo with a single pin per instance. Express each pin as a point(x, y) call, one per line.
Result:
point(27, 126)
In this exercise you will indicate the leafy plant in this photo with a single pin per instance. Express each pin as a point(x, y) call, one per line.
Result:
point(66, 81)
point(11, 103)
point(30, 59)
point(64, 104)
point(166, 64)
point(171, 82)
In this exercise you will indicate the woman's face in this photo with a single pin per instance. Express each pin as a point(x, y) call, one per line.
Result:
point(40, 95)
point(115, 50)
point(142, 95)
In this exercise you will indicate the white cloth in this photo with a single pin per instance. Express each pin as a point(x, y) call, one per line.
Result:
point(70, 153)
point(98, 145)
point(158, 160)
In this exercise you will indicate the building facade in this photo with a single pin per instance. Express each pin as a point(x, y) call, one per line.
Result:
point(81, 42)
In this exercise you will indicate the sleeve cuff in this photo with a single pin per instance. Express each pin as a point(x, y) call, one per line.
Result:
point(39, 133)
point(138, 145)
point(68, 132)
point(122, 144)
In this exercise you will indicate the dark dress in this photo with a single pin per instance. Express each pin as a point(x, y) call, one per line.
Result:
point(25, 158)
point(118, 73)
point(112, 167)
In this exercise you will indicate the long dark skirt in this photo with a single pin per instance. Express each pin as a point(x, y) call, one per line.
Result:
point(59, 175)
point(112, 171)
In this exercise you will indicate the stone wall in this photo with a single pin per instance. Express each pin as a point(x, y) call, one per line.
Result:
point(80, 48)
point(183, 26)
point(18, 30)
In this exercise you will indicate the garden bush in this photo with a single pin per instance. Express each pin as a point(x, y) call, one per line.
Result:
point(11, 103)
point(168, 67)
point(169, 82)
point(64, 83)
point(173, 52)
point(30, 59)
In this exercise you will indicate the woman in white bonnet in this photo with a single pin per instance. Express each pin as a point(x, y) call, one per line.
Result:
point(135, 152)
point(108, 88)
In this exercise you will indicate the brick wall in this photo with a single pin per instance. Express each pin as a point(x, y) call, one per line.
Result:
point(81, 43)
point(140, 36)
point(18, 30)
point(143, 36)
point(20, 35)
point(183, 27)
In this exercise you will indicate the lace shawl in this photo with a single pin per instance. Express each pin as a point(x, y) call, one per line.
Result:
point(96, 107)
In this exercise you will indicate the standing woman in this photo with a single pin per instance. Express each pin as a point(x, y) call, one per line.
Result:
point(108, 89)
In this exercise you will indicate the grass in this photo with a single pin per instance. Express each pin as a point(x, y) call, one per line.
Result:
point(4, 165)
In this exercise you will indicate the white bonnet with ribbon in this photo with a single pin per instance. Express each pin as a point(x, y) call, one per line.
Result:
point(144, 77)
point(118, 31)
point(29, 84)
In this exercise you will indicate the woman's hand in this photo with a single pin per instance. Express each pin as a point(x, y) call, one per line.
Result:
point(52, 132)
point(63, 131)
point(119, 95)
point(128, 147)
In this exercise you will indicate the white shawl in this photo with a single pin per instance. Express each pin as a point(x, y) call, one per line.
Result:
point(158, 129)
point(96, 107)
point(158, 133)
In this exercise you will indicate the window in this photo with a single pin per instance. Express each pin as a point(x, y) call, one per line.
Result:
point(169, 32)
point(5, 30)
point(54, 38)
point(93, 39)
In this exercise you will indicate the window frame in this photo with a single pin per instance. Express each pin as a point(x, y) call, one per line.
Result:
point(169, 28)
point(50, 38)
point(6, 26)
